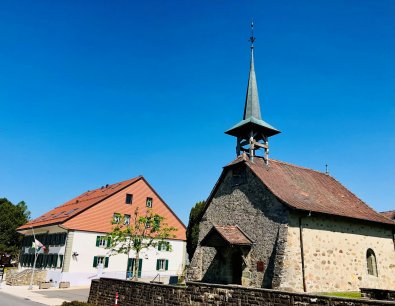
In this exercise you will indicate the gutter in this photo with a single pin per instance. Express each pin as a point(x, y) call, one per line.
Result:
point(302, 253)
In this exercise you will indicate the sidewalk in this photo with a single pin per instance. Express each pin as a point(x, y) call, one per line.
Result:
point(52, 296)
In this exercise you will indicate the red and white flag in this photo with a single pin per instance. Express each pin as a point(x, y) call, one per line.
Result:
point(38, 246)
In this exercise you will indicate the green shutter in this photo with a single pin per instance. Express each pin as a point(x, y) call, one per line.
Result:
point(44, 260)
point(108, 241)
point(106, 262)
point(60, 261)
point(49, 263)
point(157, 265)
point(167, 265)
point(54, 260)
point(95, 261)
point(140, 267)
point(97, 241)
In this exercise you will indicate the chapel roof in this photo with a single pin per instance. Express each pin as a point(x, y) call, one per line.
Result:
point(389, 214)
point(309, 190)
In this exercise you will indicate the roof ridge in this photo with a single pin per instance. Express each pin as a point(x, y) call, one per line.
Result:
point(386, 211)
point(297, 166)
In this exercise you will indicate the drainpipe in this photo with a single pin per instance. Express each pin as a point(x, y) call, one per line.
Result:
point(302, 253)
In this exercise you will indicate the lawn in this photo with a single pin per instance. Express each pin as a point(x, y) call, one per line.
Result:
point(346, 294)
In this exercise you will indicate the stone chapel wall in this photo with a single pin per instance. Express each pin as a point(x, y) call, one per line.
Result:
point(260, 215)
point(335, 254)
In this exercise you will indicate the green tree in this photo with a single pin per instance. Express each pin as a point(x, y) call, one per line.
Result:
point(136, 233)
point(11, 217)
point(193, 228)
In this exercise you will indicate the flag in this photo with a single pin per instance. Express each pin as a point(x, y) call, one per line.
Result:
point(38, 246)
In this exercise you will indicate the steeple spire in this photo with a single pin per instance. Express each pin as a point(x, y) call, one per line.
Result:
point(252, 108)
point(252, 132)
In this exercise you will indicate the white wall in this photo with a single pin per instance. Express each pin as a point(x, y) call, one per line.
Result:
point(81, 270)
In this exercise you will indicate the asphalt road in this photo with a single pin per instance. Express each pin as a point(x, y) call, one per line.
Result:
point(10, 300)
point(68, 295)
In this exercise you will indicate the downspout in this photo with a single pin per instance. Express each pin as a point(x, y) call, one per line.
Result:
point(302, 253)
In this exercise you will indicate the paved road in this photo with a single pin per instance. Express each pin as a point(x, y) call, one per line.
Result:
point(10, 300)
point(68, 295)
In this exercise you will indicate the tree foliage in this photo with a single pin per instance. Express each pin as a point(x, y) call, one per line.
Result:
point(141, 232)
point(11, 217)
point(193, 228)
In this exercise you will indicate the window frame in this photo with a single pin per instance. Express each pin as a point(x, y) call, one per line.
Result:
point(129, 198)
point(116, 218)
point(371, 263)
point(162, 264)
point(149, 202)
point(126, 219)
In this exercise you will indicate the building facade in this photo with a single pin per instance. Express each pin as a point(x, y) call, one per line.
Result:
point(270, 224)
point(74, 235)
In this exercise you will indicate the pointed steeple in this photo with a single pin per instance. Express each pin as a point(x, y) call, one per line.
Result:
point(252, 131)
point(252, 108)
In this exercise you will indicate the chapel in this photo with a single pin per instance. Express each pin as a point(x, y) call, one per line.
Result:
point(272, 224)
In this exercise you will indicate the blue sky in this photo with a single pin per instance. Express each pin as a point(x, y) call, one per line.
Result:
point(95, 92)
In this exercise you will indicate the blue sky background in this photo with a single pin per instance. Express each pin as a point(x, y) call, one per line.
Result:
point(95, 92)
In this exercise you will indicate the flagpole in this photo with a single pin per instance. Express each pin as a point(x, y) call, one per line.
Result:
point(35, 259)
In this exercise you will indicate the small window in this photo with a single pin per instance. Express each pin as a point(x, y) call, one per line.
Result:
point(239, 176)
point(148, 202)
point(129, 198)
point(126, 219)
point(147, 224)
point(100, 260)
point(371, 262)
point(162, 264)
point(101, 241)
point(116, 218)
point(163, 246)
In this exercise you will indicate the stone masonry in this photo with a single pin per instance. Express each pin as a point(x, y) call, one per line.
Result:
point(335, 254)
point(103, 291)
point(260, 215)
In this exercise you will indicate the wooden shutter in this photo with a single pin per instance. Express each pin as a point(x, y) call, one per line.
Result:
point(98, 241)
point(108, 241)
point(95, 261)
point(140, 267)
point(54, 260)
point(106, 262)
point(60, 261)
point(167, 265)
point(157, 265)
point(49, 261)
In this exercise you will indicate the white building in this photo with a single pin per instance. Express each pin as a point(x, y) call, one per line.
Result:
point(74, 235)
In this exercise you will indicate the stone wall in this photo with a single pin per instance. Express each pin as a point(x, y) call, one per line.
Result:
point(335, 254)
point(260, 215)
point(103, 291)
point(22, 278)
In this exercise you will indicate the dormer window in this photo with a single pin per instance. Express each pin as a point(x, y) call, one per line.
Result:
point(129, 198)
point(148, 202)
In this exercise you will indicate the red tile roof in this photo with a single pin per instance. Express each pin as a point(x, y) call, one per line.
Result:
point(233, 235)
point(389, 214)
point(310, 190)
point(226, 235)
point(79, 204)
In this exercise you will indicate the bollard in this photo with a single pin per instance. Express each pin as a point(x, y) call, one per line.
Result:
point(116, 299)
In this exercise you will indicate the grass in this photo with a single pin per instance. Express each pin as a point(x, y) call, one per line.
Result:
point(346, 294)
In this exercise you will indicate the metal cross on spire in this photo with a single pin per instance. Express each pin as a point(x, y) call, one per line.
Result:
point(252, 38)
